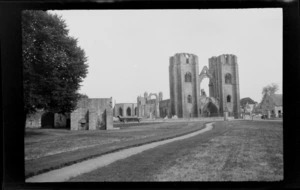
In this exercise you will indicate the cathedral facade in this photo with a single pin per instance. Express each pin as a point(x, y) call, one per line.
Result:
point(188, 100)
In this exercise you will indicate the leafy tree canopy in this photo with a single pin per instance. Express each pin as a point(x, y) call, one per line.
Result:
point(271, 88)
point(53, 64)
point(248, 100)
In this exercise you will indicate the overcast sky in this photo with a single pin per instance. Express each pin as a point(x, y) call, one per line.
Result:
point(128, 50)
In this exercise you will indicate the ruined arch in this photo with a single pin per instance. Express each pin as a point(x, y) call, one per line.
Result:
point(128, 111)
point(156, 105)
point(206, 74)
point(210, 110)
point(47, 120)
point(153, 94)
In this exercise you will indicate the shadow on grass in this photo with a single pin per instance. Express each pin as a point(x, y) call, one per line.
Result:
point(43, 131)
point(35, 133)
point(132, 124)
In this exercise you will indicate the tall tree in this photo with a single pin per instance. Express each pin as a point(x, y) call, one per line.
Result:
point(53, 63)
point(244, 101)
point(271, 88)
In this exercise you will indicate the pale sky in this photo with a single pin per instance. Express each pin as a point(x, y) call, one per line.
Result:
point(128, 50)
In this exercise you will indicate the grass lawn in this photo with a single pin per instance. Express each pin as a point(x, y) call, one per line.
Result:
point(48, 149)
point(232, 151)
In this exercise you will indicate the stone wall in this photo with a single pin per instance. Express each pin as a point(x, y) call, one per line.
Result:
point(61, 120)
point(147, 107)
point(80, 116)
point(92, 114)
point(165, 108)
point(34, 120)
point(278, 111)
point(124, 108)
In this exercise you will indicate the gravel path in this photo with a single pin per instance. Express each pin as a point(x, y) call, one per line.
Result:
point(65, 173)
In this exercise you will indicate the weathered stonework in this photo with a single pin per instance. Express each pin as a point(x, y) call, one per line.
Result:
point(186, 98)
point(92, 114)
point(44, 119)
point(35, 120)
point(224, 84)
point(125, 109)
point(165, 108)
point(147, 107)
point(184, 85)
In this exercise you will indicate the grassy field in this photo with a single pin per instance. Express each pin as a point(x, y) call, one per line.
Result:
point(48, 149)
point(232, 151)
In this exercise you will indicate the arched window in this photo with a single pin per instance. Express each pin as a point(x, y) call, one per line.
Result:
point(189, 99)
point(128, 111)
point(228, 98)
point(120, 111)
point(135, 111)
point(188, 77)
point(187, 60)
point(228, 78)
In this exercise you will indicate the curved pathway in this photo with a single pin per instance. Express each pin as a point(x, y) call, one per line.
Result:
point(65, 173)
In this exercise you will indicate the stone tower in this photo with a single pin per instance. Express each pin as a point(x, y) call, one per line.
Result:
point(184, 85)
point(224, 83)
point(160, 96)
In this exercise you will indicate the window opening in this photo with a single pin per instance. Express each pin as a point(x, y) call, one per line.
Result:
point(228, 78)
point(128, 111)
point(188, 77)
point(228, 98)
point(120, 111)
point(189, 99)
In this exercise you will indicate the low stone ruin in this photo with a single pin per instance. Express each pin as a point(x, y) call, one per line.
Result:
point(93, 114)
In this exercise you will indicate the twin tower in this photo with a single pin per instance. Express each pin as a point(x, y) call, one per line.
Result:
point(186, 98)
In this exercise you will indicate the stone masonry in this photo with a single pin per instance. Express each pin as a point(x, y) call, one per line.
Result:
point(186, 99)
point(148, 107)
point(125, 109)
point(92, 114)
point(184, 85)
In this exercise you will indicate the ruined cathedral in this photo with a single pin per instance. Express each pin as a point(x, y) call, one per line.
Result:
point(187, 99)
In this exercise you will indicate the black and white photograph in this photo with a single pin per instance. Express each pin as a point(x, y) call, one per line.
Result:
point(153, 95)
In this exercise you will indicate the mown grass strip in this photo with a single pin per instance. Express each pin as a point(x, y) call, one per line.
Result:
point(232, 151)
point(129, 144)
